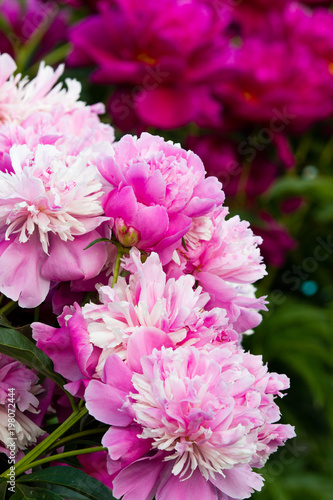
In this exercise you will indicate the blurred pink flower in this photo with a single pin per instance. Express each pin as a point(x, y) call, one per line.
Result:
point(168, 54)
point(277, 242)
point(26, 19)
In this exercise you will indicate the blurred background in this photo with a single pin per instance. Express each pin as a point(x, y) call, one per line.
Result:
point(247, 85)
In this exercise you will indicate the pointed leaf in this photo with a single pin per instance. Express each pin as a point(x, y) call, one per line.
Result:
point(17, 346)
point(71, 478)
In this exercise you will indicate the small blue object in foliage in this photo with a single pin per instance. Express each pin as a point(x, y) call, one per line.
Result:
point(309, 288)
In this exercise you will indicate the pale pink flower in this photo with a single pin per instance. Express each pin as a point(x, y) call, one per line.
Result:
point(22, 383)
point(20, 98)
point(224, 256)
point(130, 317)
point(187, 422)
point(48, 213)
point(156, 189)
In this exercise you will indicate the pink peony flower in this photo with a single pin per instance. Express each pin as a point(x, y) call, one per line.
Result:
point(149, 309)
point(22, 383)
point(188, 421)
point(164, 55)
point(29, 19)
point(276, 53)
point(224, 257)
point(277, 242)
point(20, 98)
point(158, 188)
point(48, 214)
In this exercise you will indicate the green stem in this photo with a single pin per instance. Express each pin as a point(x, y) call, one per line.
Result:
point(36, 314)
point(8, 308)
point(60, 456)
point(120, 253)
point(78, 435)
point(43, 446)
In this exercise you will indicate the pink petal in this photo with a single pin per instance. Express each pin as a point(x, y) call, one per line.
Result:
point(69, 261)
point(167, 107)
point(20, 272)
point(124, 446)
point(194, 487)
point(239, 482)
point(139, 480)
point(142, 342)
point(105, 403)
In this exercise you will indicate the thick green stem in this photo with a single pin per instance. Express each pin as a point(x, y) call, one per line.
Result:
point(60, 456)
point(120, 254)
point(8, 308)
point(78, 435)
point(43, 446)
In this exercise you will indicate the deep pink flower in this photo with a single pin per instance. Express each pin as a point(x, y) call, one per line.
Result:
point(275, 56)
point(188, 421)
point(26, 19)
point(158, 188)
point(277, 242)
point(221, 159)
point(164, 55)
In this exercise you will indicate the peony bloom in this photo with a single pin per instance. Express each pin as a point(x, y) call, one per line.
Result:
point(224, 257)
point(188, 420)
point(276, 54)
point(24, 383)
point(48, 214)
point(158, 188)
point(30, 18)
point(32, 114)
point(277, 242)
point(165, 56)
point(130, 317)
point(20, 98)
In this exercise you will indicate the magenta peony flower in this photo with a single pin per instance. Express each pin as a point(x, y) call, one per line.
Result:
point(27, 19)
point(24, 384)
point(188, 421)
point(276, 55)
point(48, 214)
point(164, 55)
point(277, 242)
point(158, 188)
point(129, 318)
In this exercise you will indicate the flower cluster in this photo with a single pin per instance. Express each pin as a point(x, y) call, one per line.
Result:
point(157, 353)
point(50, 188)
point(215, 63)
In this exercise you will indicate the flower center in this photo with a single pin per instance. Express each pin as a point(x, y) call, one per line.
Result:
point(47, 195)
point(179, 418)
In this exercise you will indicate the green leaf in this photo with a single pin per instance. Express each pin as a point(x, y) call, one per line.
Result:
point(23, 492)
point(3, 489)
point(96, 241)
point(71, 478)
point(319, 188)
point(17, 346)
